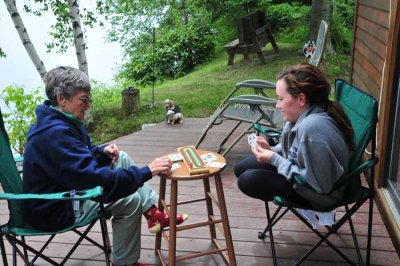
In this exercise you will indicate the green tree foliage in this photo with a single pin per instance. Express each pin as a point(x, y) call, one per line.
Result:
point(2, 53)
point(177, 51)
point(190, 31)
point(22, 114)
point(342, 25)
point(61, 32)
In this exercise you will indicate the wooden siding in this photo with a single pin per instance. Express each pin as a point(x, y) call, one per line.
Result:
point(246, 215)
point(376, 36)
point(370, 40)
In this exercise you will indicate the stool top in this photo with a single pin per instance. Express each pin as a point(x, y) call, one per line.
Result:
point(181, 173)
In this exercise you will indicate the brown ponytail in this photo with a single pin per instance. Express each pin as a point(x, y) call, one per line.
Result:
point(336, 111)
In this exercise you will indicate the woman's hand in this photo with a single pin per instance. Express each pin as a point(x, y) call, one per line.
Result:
point(161, 166)
point(263, 155)
point(262, 142)
point(112, 151)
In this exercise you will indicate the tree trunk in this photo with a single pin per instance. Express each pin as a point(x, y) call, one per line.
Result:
point(184, 14)
point(79, 40)
point(320, 11)
point(23, 34)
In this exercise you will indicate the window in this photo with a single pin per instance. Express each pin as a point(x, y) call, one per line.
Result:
point(393, 168)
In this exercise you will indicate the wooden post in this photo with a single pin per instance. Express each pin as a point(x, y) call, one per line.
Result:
point(130, 100)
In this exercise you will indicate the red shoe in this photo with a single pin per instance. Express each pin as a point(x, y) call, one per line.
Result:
point(158, 220)
point(135, 264)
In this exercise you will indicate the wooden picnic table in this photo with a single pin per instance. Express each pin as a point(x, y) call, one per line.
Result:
point(254, 32)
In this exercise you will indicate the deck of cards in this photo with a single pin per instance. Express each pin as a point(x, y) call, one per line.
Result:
point(252, 140)
point(175, 157)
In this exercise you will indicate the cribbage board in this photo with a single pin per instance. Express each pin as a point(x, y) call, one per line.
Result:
point(193, 161)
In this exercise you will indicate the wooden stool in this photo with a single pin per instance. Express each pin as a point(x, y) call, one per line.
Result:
point(181, 174)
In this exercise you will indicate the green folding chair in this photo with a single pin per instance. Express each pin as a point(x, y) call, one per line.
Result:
point(17, 228)
point(362, 110)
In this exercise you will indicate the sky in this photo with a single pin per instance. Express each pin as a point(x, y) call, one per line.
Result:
point(17, 68)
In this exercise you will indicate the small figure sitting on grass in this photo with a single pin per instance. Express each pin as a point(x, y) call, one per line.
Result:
point(172, 112)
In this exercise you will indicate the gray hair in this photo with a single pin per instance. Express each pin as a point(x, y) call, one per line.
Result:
point(65, 81)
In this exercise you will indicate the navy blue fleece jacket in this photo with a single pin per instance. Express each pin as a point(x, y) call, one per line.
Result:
point(60, 157)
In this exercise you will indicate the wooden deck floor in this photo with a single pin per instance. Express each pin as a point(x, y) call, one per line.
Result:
point(246, 215)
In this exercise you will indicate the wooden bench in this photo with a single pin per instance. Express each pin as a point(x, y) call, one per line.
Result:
point(254, 32)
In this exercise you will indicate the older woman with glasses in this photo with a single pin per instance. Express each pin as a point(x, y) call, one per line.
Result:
point(59, 156)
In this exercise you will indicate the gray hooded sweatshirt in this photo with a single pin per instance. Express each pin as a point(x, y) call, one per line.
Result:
point(313, 148)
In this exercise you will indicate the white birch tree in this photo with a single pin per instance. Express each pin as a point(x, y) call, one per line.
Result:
point(79, 40)
point(24, 36)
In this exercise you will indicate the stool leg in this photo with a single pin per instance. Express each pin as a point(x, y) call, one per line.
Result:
point(225, 220)
point(210, 211)
point(161, 198)
point(172, 223)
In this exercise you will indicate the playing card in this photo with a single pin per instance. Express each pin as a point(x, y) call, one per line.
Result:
point(208, 157)
point(175, 166)
point(216, 164)
point(252, 140)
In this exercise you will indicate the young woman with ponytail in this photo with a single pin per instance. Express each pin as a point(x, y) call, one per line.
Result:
point(316, 141)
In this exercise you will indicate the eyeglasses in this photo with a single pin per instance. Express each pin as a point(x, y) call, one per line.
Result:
point(86, 99)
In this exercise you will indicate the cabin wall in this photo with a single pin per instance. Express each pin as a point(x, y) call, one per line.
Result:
point(376, 36)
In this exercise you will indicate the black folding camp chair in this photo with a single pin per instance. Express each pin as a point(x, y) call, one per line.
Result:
point(16, 229)
point(361, 109)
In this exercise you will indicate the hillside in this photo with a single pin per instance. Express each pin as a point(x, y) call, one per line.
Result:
point(200, 92)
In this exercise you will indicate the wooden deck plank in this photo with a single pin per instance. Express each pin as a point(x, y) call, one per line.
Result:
point(246, 215)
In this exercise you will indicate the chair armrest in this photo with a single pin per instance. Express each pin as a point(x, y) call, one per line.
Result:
point(256, 84)
point(361, 168)
point(80, 195)
point(253, 99)
point(270, 132)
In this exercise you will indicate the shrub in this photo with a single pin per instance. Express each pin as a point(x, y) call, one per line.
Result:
point(22, 114)
point(178, 51)
point(287, 15)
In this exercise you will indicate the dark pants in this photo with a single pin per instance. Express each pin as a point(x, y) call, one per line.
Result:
point(261, 181)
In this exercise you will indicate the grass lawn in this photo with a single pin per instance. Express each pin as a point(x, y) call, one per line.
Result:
point(200, 92)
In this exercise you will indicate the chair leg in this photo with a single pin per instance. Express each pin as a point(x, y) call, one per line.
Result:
point(87, 230)
point(14, 241)
point(221, 145)
point(41, 250)
point(25, 251)
point(274, 220)
point(271, 237)
point(3, 251)
point(324, 238)
point(353, 234)
point(14, 256)
point(213, 122)
point(370, 216)
point(106, 240)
